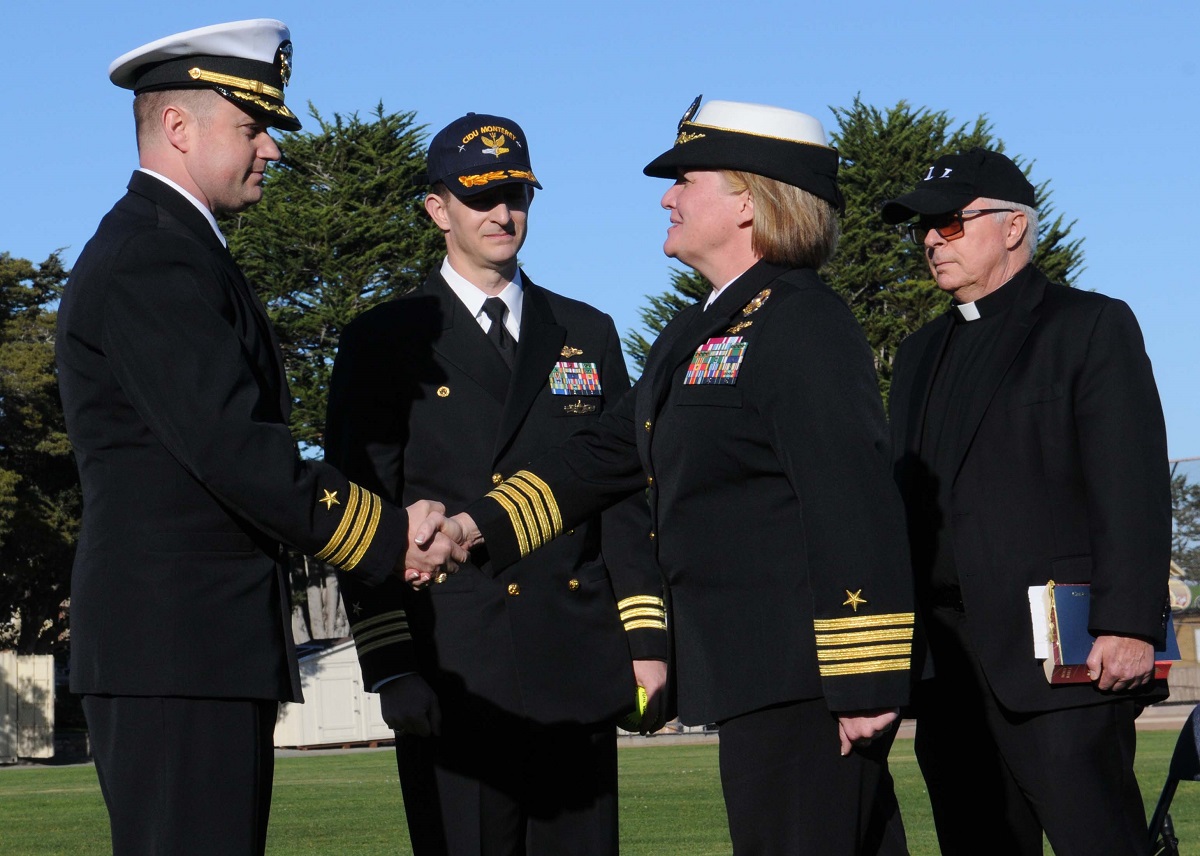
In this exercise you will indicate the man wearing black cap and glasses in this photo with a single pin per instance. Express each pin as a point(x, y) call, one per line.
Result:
point(1030, 447)
point(503, 689)
point(759, 431)
point(177, 407)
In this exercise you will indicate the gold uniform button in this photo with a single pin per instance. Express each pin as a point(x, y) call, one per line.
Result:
point(650, 481)
point(647, 425)
point(651, 536)
point(573, 585)
point(497, 478)
point(441, 578)
point(443, 392)
point(514, 589)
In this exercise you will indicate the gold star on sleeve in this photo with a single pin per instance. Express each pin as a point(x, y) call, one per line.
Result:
point(853, 599)
point(330, 499)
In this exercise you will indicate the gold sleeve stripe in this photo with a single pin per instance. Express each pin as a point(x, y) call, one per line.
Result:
point(364, 650)
point(343, 524)
point(859, 621)
point(369, 535)
point(547, 496)
point(514, 517)
point(530, 500)
point(865, 651)
point(391, 617)
point(641, 600)
point(645, 624)
point(342, 556)
point(532, 510)
point(355, 531)
point(863, 667)
point(657, 612)
point(864, 636)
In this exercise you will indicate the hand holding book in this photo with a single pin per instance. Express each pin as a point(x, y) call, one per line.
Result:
point(1060, 613)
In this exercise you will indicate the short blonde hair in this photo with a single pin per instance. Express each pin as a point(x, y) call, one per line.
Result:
point(792, 227)
point(148, 107)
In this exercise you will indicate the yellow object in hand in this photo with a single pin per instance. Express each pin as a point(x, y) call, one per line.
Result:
point(633, 721)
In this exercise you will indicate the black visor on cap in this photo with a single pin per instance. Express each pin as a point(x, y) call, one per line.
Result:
point(808, 166)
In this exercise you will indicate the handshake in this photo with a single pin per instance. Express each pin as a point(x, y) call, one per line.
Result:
point(437, 544)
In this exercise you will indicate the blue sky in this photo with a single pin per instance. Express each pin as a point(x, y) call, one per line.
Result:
point(1102, 96)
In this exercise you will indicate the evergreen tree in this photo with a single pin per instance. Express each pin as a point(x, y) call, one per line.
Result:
point(39, 488)
point(341, 227)
point(1185, 523)
point(687, 288)
point(883, 277)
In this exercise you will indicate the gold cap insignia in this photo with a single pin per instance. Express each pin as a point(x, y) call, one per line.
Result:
point(495, 145)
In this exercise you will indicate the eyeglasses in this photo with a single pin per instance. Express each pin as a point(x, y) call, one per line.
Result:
point(949, 226)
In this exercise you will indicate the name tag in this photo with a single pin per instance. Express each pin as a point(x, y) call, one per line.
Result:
point(574, 379)
point(717, 361)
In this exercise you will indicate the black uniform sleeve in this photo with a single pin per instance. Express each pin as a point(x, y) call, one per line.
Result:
point(593, 469)
point(365, 436)
point(169, 334)
point(1123, 454)
point(626, 543)
point(827, 428)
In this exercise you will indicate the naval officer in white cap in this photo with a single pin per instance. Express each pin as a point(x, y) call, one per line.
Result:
point(177, 407)
point(758, 435)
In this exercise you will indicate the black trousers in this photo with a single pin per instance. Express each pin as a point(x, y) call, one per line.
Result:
point(512, 790)
point(999, 778)
point(789, 791)
point(184, 776)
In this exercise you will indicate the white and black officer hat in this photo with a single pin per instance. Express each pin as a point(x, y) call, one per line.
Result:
point(769, 141)
point(247, 62)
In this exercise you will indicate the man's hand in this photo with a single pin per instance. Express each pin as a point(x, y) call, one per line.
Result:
point(433, 543)
point(860, 727)
point(410, 706)
point(465, 532)
point(1120, 662)
point(651, 675)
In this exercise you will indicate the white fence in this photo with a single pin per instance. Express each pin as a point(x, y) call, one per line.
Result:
point(26, 706)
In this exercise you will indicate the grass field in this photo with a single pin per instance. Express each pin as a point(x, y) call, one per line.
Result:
point(350, 803)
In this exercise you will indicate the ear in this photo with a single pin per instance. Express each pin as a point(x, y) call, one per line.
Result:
point(178, 127)
point(1016, 230)
point(745, 211)
point(435, 207)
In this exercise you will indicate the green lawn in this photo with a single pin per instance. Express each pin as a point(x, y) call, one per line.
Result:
point(350, 804)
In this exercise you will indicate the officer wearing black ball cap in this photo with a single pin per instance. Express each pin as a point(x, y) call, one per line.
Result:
point(503, 689)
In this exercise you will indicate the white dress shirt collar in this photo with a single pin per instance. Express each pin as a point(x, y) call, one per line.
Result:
point(472, 297)
point(200, 206)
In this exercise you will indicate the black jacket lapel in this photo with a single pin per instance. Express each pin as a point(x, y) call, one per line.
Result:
point(1021, 318)
point(464, 344)
point(538, 348)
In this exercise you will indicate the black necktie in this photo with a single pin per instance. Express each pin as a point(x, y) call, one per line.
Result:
point(494, 308)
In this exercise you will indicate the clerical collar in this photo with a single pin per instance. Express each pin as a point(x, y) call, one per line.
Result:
point(994, 303)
